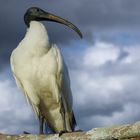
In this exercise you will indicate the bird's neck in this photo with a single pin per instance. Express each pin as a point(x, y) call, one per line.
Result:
point(37, 35)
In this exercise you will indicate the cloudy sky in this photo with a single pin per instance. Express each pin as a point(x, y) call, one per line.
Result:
point(104, 66)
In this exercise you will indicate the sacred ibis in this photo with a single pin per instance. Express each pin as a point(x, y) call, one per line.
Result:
point(40, 71)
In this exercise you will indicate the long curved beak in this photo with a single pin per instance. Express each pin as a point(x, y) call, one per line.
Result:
point(50, 17)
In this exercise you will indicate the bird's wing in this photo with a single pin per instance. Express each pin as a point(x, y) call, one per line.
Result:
point(64, 83)
point(64, 80)
point(31, 99)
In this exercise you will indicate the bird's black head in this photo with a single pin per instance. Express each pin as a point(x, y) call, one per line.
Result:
point(37, 14)
point(33, 14)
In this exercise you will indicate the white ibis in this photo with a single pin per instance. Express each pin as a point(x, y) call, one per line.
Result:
point(41, 73)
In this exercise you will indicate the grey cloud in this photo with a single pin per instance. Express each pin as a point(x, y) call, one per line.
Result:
point(98, 100)
point(109, 13)
point(96, 107)
point(93, 17)
point(90, 16)
point(15, 114)
point(109, 93)
point(12, 28)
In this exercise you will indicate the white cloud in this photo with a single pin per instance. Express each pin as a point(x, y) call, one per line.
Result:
point(100, 54)
point(134, 54)
point(15, 114)
point(105, 92)
point(105, 86)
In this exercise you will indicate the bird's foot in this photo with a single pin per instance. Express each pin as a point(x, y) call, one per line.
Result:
point(62, 132)
point(25, 132)
point(78, 130)
point(65, 131)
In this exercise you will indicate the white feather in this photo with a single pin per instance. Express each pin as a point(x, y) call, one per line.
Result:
point(41, 73)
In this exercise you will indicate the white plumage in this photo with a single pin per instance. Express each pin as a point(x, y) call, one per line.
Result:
point(41, 73)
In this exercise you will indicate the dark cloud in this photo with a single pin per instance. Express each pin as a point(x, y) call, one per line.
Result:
point(90, 16)
point(108, 14)
point(109, 21)
point(106, 89)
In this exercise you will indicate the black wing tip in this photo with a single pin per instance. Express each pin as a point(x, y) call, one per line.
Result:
point(74, 123)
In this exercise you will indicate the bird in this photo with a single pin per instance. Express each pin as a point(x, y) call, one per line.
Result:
point(41, 73)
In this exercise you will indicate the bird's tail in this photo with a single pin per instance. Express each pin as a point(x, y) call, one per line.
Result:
point(73, 122)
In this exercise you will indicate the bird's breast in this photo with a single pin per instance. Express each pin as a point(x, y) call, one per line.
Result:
point(39, 70)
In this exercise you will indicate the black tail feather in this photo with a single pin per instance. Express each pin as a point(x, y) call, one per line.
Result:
point(73, 122)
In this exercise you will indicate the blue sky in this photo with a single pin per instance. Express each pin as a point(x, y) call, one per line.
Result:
point(104, 66)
